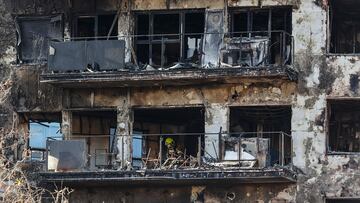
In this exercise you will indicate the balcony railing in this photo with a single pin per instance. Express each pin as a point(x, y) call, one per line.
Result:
point(172, 51)
point(245, 150)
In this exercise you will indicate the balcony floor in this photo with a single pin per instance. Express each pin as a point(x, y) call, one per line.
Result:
point(172, 177)
point(166, 77)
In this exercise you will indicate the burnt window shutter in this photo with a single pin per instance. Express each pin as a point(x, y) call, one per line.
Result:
point(34, 35)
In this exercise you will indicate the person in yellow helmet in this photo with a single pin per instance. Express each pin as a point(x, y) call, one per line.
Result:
point(170, 144)
point(169, 141)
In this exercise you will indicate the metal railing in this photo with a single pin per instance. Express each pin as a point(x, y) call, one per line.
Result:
point(201, 151)
point(193, 50)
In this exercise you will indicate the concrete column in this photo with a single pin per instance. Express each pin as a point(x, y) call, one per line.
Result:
point(125, 22)
point(66, 124)
point(216, 118)
point(123, 133)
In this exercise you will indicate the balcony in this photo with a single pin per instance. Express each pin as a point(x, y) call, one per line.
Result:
point(240, 157)
point(170, 59)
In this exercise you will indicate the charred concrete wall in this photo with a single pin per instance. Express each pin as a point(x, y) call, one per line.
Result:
point(320, 77)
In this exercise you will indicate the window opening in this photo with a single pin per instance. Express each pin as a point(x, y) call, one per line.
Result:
point(98, 129)
point(164, 125)
point(169, 38)
point(261, 126)
point(344, 27)
point(344, 128)
point(90, 27)
point(260, 37)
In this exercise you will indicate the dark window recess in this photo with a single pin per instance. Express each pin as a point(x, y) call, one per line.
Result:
point(260, 20)
point(104, 25)
point(34, 35)
point(165, 40)
point(166, 25)
point(343, 200)
point(344, 126)
point(240, 22)
point(344, 26)
point(96, 26)
point(86, 27)
point(267, 29)
point(264, 122)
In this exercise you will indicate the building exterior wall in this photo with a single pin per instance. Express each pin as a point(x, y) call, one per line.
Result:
point(321, 76)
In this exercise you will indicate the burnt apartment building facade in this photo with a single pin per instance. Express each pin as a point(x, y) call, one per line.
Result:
point(185, 101)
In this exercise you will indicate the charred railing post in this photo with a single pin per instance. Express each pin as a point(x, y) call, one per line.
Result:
point(199, 151)
point(239, 144)
point(284, 47)
point(47, 155)
point(282, 149)
point(160, 150)
point(291, 149)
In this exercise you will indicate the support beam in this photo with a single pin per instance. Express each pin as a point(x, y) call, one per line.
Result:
point(123, 133)
point(124, 30)
point(66, 124)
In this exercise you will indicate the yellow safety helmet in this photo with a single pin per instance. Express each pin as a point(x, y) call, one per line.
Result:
point(169, 141)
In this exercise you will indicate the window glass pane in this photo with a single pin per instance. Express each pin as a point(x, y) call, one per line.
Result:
point(260, 20)
point(166, 24)
point(39, 132)
point(142, 53)
point(240, 22)
point(142, 24)
point(137, 146)
point(194, 22)
point(195, 26)
point(104, 25)
point(86, 27)
point(171, 54)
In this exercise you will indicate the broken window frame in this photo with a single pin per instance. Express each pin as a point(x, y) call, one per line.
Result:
point(95, 16)
point(250, 13)
point(328, 114)
point(54, 34)
point(285, 34)
point(41, 118)
point(151, 41)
